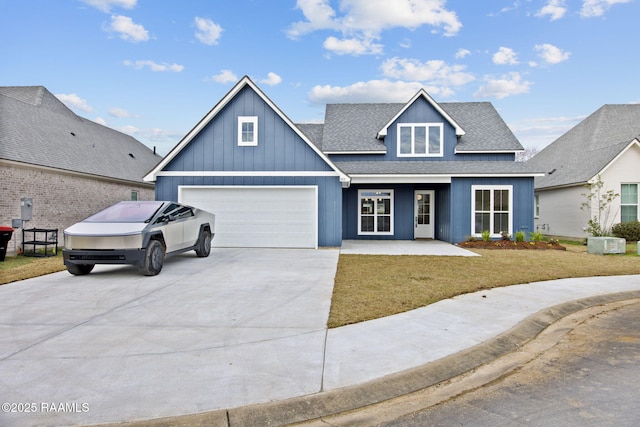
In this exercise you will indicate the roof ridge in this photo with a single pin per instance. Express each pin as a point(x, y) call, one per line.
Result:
point(27, 92)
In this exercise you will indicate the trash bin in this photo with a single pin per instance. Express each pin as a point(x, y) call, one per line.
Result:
point(5, 236)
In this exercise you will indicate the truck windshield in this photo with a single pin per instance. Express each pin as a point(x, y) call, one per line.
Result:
point(126, 212)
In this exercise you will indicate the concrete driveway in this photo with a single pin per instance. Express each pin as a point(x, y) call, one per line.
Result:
point(205, 334)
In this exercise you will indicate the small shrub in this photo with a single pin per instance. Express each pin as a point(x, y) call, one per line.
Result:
point(520, 236)
point(505, 235)
point(535, 236)
point(486, 236)
point(471, 239)
point(627, 230)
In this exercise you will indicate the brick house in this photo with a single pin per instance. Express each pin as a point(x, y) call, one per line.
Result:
point(69, 166)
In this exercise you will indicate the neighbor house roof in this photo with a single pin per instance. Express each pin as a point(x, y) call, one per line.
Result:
point(38, 129)
point(353, 128)
point(584, 151)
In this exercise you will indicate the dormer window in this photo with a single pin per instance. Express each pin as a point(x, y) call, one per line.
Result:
point(247, 131)
point(420, 139)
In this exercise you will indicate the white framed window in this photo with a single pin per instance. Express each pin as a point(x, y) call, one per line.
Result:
point(628, 202)
point(375, 212)
point(247, 131)
point(135, 194)
point(420, 139)
point(536, 204)
point(491, 209)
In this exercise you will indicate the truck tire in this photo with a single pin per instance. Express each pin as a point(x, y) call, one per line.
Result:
point(203, 249)
point(153, 258)
point(80, 269)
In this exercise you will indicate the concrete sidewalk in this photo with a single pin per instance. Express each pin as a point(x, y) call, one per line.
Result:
point(372, 362)
point(403, 247)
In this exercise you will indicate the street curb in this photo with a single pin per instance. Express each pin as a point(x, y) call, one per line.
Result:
point(333, 402)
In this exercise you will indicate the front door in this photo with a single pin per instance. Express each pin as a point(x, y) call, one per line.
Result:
point(424, 201)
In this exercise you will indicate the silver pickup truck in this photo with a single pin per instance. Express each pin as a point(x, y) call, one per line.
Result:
point(141, 233)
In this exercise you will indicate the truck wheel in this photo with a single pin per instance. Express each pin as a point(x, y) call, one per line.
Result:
point(153, 258)
point(79, 269)
point(204, 244)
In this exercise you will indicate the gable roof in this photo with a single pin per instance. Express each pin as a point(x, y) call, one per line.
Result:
point(354, 128)
point(589, 147)
point(245, 81)
point(422, 94)
point(38, 129)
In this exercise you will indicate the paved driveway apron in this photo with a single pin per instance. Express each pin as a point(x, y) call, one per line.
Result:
point(205, 334)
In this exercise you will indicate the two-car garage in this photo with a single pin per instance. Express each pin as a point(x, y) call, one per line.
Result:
point(259, 216)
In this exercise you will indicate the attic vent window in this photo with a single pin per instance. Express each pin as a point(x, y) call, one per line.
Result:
point(132, 156)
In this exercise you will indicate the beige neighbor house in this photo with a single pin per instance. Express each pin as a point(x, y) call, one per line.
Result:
point(605, 146)
point(69, 167)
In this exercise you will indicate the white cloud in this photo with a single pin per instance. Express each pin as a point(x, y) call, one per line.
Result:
point(127, 29)
point(100, 121)
point(161, 139)
point(208, 31)
point(352, 46)
point(364, 20)
point(435, 72)
point(154, 66)
point(73, 101)
point(119, 113)
point(106, 5)
point(271, 80)
point(592, 8)
point(551, 54)
point(540, 131)
point(505, 56)
point(556, 9)
point(370, 91)
point(461, 53)
point(506, 85)
point(129, 130)
point(225, 76)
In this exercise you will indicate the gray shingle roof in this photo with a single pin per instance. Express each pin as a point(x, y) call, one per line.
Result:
point(353, 127)
point(484, 128)
point(582, 152)
point(313, 131)
point(436, 168)
point(36, 128)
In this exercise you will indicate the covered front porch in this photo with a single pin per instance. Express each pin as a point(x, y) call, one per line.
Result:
point(397, 212)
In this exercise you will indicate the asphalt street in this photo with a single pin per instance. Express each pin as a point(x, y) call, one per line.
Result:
point(590, 378)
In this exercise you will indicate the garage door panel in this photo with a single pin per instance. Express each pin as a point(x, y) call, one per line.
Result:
point(259, 216)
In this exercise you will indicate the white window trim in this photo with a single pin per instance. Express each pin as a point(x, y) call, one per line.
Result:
point(248, 119)
point(440, 126)
point(474, 188)
point(536, 206)
point(636, 204)
point(391, 214)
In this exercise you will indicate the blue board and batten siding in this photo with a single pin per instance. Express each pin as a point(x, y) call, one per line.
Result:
point(279, 149)
point(522, 208)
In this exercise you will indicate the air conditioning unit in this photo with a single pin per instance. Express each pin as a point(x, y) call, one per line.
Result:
point(606, 245)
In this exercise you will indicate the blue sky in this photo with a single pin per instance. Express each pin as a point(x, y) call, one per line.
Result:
point(154, 68)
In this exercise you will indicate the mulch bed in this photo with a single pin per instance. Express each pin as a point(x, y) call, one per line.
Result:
point(508, 244)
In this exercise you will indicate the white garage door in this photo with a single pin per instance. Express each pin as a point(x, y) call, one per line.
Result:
point(263, 217)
